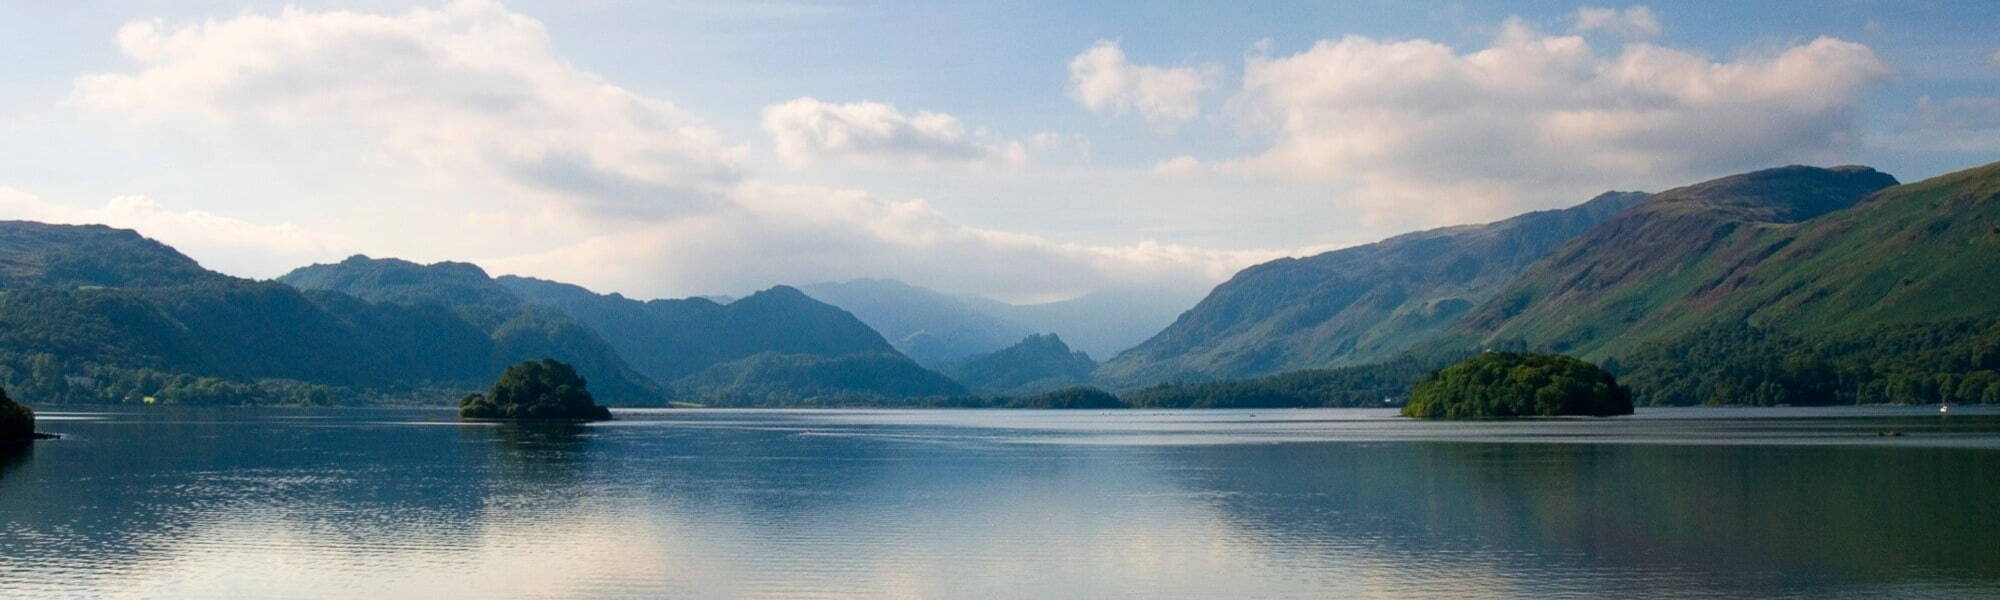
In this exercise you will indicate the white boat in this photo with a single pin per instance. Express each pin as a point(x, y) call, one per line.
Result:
point(1944, 407)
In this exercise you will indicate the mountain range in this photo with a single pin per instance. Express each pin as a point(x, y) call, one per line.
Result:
point(1789, 285)
point(938, 329)
point(95, 314)
point(1355, 305)
point(1793, 285)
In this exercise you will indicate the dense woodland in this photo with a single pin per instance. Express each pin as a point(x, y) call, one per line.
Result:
point(1382, 384)
point(1955, 361)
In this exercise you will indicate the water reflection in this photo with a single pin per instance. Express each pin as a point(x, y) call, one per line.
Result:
point(14, 455)
point(406, 504)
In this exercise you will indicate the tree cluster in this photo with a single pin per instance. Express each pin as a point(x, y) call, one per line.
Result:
point(543, 389)
point(1508, 384)
point(1735, 363)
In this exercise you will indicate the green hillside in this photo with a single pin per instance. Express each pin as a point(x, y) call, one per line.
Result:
point(1674, 261)
point(675, 342)
point(42, 255)
point(1039, 363)
point(1351, 306)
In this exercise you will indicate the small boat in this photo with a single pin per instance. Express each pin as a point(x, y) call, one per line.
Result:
point(1944, 407)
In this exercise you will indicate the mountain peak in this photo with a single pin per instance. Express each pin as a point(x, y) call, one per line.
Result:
point(1786, 194)
point(43, 254)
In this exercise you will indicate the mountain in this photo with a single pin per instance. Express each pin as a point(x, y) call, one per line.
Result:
point(668, 341)
point(1102, 323)
point(460, 286)
point(1354, 305)
point(930, 327)
point(1040, 363)
point(1759, 245)
point(671, 339)
point(774, 379)
point(1788, 286)
point(939, 329)
point(520, 331)
point(38, 254)
point(94, 314)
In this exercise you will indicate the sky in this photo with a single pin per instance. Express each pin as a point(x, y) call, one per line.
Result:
point(1026, 151)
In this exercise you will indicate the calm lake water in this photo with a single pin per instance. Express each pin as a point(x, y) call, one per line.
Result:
point(1681, 503)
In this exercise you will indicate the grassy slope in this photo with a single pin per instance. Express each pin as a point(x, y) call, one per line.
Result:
point(1911, 253)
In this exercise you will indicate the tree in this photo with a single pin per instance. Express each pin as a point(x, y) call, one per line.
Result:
point(543, 389)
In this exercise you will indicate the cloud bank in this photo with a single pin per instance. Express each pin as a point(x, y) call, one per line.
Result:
point(1535, 120)
point(503, 141)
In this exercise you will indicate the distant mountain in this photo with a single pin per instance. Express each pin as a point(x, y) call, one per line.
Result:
point(460, 286)
point(671, 339)
point(668, 341)
point(1041, 363)
point(771, 379)
point(932, 328)
point(1102, 323)
point(1719, 249)
point(1351, 306)
point(520, 331)
point(938, 329)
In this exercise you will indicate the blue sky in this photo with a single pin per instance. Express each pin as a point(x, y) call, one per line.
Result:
point(1025, 151)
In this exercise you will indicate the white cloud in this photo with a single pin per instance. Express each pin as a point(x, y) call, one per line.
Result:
point(1995, 58)
point(218, 242)
point(874, 134)
point(470, 92)
point(803, 234)
point(1635, 22)
point(1102, 80)
point(1179, 166)
point(1538, 120)
point(465, 137)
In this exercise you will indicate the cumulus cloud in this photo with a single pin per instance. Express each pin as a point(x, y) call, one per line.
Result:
point(1633, 22)
point(1102, 79)
point(470, 91)
point(874, 134)
point(218, 242)
point(1537, 120)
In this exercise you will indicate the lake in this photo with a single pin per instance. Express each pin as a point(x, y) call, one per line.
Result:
point(406, 503)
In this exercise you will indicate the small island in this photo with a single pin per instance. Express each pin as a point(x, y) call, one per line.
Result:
point(1498, 385)
point(1075, 397)
point(17, 422)
point(536, 390)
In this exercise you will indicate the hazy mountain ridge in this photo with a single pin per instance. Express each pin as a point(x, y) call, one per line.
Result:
point(930, 327)
point(940, 329)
